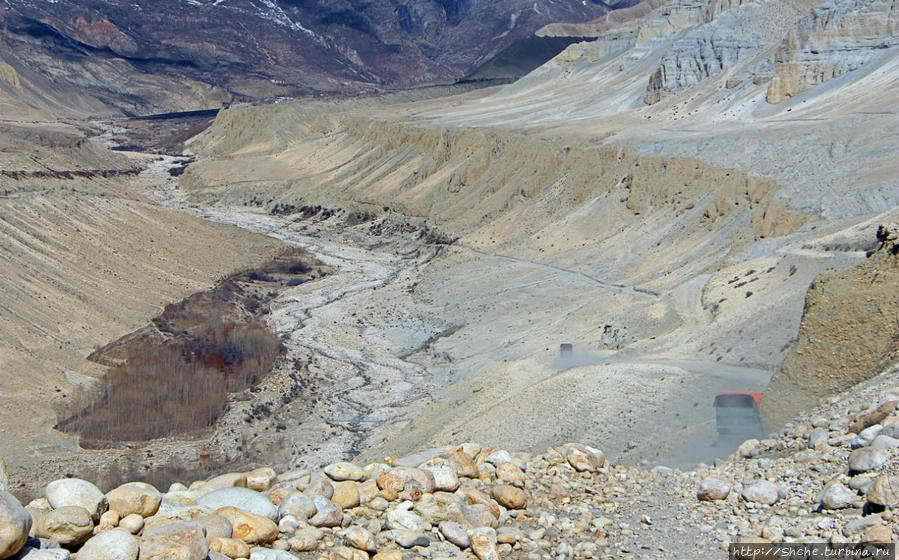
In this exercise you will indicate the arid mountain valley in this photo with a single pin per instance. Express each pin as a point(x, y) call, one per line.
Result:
point(455, 279)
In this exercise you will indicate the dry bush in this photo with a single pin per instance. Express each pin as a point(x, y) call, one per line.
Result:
point(175, 389)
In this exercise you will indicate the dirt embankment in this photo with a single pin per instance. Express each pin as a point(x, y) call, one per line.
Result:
point(86, 259)
point(494, 187)
point(849, 333)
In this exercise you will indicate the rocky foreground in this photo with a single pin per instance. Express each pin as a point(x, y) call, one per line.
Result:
point(831, 476)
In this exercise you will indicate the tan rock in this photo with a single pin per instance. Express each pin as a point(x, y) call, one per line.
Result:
point(15, 524)
point(884, 491)
point(232, 548)
point(878, 534)
point(389, 555)
point(132, 523)
point(250, 528)
point(477, 497)
point(227, 480)
point(360, 538)
point(108, 521)
point(465, 465)
point(511, 474)
point(67, 525)
point(345, 471)
point(77, 492)
point(367, 491)
point(583, 458)
point(509, 496)
point(276, 495)
point(483, 544)
point(261, 479)
point(135, 497)
point(175, 540)
point(346, 495)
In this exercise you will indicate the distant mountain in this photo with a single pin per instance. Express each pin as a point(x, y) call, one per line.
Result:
point(142, 54)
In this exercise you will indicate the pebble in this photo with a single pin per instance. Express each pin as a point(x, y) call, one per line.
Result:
point(115, 544)
point(215, 525)
point(408, 539)
point(269, 554)
point(227, 480)
point(15, 524)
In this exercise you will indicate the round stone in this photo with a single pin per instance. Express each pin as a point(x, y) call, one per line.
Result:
point(360, 538)
point(884, 491)
point(345, 471)
point(711, 489)
point(135, 497)
point(115, 544)
point(248, 527)
point(183, 540)
point(242, 499)
point(132, 523)
point(454, 533)
point(836, 496)
point(15, 524)
point(762, 492)
point(76, 492)
point(867, 459)
point(298, 505)
point(509, 496)
point(67, 525)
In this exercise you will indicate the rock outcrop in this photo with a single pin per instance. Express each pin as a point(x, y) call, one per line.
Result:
point(837, 37)
point(849, 333)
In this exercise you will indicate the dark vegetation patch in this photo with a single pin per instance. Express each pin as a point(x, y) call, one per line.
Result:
point(173, 377)
point(163, 133)
point(69, 175)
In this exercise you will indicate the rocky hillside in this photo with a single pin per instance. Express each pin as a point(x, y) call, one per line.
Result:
point(849, 333)
point(829, 478)
point(178, 54)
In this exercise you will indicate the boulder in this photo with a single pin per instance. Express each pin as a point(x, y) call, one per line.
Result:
point(345, 471)
point(261, 479)
point(401, 518)
point(115, 544)
point(135, 497)
point(248, 527)
point(454, 533)
point(215, 526)
point(67, 525)
point(867, 459)
point(465, 465)
point(320, 487)
point(31, 553)
point(232, 548)
point(241, 498)
point(15, 524)
point(509, 496)
point(884, 491)
point(360, 538)
point(175, 540)
point(408, 539)
point(762, 492)
point(297, 504)
point(76, 492)
point(836, 496)
point(258, 553)
point(132, 523)
point(483, 543)
point(327, 514)
point(583, 458)
point(346, 495)
point(711, 489)
point(227, 480)
point(510, 473)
